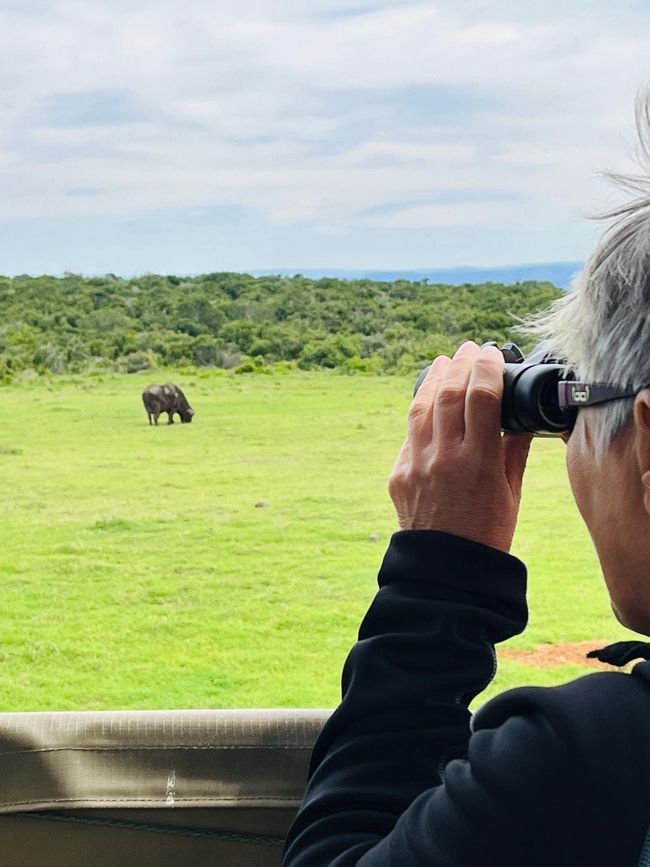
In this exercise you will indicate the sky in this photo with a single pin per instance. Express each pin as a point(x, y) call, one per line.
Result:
point(208, 135)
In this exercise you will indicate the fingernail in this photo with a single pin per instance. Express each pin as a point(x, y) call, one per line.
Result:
point(488, 349)
point(464, 346)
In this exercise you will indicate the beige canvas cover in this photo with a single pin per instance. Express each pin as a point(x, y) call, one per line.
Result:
point(201, 787)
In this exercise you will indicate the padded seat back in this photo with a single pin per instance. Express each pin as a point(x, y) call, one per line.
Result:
point(145, 788)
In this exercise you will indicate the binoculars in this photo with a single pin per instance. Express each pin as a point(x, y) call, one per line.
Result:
point(531, 393)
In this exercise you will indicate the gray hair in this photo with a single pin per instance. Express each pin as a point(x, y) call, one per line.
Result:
point(602, 327)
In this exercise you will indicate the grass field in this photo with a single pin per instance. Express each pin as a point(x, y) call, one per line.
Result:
point(137, 572)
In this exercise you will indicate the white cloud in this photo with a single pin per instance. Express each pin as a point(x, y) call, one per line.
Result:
point(311, 114)
point(446, 216)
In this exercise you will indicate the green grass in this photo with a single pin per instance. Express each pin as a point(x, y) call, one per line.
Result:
point(137, 572)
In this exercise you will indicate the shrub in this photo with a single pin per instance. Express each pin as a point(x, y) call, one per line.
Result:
point(49, 358)
point(372, 365)
point(327, 352)
point(205, 353)
point(253, 365)
point(136, 361)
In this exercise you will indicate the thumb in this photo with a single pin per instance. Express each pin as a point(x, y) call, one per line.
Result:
point(516, 448)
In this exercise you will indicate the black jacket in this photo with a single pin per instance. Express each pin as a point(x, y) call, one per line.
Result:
point(403, 776)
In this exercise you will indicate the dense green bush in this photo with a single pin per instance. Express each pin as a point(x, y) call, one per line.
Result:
point(73, 324)
point(137, 361)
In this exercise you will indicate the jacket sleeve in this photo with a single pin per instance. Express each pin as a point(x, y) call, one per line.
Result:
point(398, 778)
point(425, 650)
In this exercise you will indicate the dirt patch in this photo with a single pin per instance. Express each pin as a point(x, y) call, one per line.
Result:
point(555, 655)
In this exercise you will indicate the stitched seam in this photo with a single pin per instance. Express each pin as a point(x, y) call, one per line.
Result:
point(458, 700)
point(149, 800)
point(229, 836)
point(117, 749)
point(644, 858)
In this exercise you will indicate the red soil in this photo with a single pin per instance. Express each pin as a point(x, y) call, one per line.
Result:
point(555, 655)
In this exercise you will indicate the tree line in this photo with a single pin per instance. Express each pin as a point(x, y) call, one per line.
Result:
point(75, 324)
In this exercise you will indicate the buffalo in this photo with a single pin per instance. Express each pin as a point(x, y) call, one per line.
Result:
point(166, 398)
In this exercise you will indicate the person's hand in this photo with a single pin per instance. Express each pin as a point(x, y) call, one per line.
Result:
point(456, 472)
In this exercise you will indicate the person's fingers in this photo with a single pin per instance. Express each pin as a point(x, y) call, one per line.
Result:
point(400, 468)
point(449, 405)
point(404, 456)
point(484, 399)
point(422, 405)
point(516, 448)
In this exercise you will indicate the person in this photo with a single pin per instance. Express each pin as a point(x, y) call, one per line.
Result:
point(402, 774)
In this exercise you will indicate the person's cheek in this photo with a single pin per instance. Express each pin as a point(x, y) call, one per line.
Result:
point(576, 469)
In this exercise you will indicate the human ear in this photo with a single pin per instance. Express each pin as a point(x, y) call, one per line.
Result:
point(642, 429)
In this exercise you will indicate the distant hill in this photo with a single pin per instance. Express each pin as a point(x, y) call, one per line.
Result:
point(558, 273)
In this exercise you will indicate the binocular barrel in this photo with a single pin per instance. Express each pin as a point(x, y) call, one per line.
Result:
point(530, 396)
